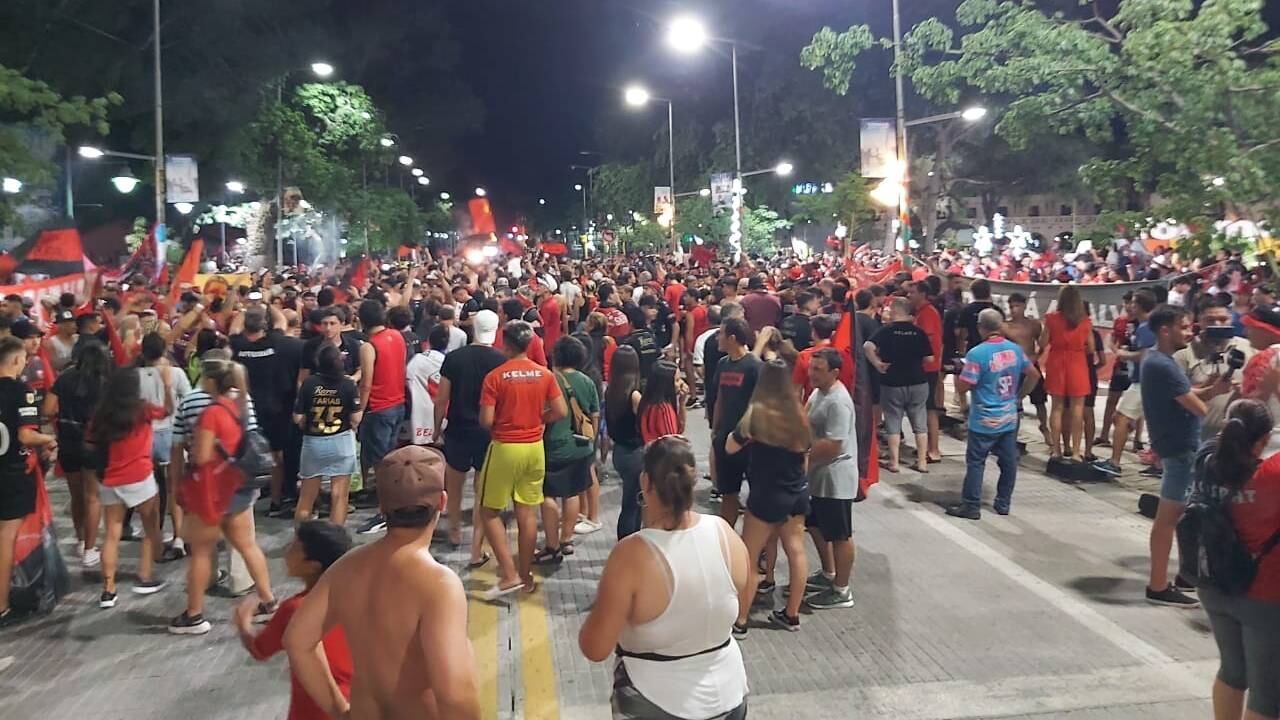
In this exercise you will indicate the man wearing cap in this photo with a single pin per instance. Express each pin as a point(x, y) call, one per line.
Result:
point(1262, 372)
point(405, 615)
point(60, 344)
point(38, 374)
point(458, 401)
point(517, 401)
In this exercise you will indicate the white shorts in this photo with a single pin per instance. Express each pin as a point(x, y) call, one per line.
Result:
point(131, 495)
point(1130, 404)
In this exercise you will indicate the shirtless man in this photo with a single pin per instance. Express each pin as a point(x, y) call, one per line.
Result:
point(1026, 332)
point(405, 615)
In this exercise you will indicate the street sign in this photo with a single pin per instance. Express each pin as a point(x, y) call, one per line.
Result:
point(722, 191)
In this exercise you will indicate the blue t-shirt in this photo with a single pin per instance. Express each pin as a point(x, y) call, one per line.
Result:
point(994, 369)
point(1173, 430)
point(1143, 339)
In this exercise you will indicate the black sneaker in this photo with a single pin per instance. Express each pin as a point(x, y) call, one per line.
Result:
point(766, 587)
point(148, 587)
point(128, 534)
point(374, 525)
point(10, 617)
point(1108, 467)
point(1172, 597)
point(740, 630)
point(780, 618)
point(264, 611)
point(186, 624)
point(968, 512)
point(1151, 471)
point(1183, 584)
point(280, 510)
point(107, 600)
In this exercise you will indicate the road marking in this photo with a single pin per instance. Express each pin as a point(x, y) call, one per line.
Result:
point(1055, 596)
point(541, 701)
point(482, 629)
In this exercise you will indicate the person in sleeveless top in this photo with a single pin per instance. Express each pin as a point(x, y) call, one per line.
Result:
point(667, 601)
point(1068, 341)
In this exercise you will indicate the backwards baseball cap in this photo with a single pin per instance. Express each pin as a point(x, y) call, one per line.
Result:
point(485, 325)
point(65, 316)
point(1263, 318)
point(408, 478)
point(24, 330)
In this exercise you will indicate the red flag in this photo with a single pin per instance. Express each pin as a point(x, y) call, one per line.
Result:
point(510, 247)
point(558, 249)
point(843, 342)
point(482, 222)
point(186, 271)
point(96, 290)
point(114, 342)
point(360, 278)
point(703, 255)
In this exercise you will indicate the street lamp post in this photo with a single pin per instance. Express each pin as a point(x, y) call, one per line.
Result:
point(159, 122)
point(637, 96)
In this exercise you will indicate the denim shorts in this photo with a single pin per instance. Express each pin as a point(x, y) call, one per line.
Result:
point(332, 456)
point(378, 432)
point(1175, 479)
point(161, 445)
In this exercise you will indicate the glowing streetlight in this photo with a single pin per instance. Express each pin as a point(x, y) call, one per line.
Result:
point(125, 181)
point(184, 207)
point(322, 69)
point(578, 187)
point(686, 34)
point(542, 201)
point(445, 196)
point(704, 192)
point(416, 172)
point(12, 186)
point(406, 160)
point(973, 114)
point(387, 141)
point(235, 186)
point(88, 151)
point(636, 96)
point(423, 180)
point(784, 168)
point(481, 192)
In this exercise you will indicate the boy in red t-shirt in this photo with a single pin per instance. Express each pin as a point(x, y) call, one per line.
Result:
point(316, 545)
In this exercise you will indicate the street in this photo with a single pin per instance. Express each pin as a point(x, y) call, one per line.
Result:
point(1036, 615)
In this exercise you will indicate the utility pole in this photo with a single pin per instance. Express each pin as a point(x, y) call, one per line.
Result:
point(159, 119)
point(904, 207)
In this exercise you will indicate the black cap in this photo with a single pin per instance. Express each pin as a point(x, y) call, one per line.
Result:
point(24, 329)
point(64, 316)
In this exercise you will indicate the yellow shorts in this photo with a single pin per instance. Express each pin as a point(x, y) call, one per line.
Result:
point(512, 471)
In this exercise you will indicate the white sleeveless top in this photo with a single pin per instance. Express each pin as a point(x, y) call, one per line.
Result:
point(699, 616)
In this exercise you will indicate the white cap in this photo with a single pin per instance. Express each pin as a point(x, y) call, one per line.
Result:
point(485, 325)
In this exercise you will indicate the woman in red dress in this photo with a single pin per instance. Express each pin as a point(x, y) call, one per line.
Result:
point(1067, 340)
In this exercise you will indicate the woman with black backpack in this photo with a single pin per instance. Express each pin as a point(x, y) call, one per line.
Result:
point(1244, 611)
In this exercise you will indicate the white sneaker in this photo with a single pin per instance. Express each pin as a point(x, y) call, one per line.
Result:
point(586, 527)
point(92, 558)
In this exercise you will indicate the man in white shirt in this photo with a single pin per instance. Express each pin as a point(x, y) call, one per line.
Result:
point(423, 378)
point(457, 336)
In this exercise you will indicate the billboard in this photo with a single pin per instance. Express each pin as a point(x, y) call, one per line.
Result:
point(879, 148)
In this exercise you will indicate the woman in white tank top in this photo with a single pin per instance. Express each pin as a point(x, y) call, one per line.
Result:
point(667, 602)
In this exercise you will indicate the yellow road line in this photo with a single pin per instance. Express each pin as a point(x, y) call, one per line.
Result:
point(541, 701)
point(482, 629)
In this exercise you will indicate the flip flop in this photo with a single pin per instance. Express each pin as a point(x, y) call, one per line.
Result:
point(484, 560)
point(922, 470)
point(889, 468)
point(497, 591)
point(934, 461)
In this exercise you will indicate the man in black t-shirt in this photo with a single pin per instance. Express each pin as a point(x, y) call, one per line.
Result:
point(331, 332)
point(21, 421)
point(272, 362)
point(736, 376)
point(798, 328)
point(642, 340)
point(967, 324)
point(458, 401)
point(899, 351)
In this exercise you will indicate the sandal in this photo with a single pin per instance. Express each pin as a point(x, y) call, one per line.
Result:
point(172, 554)
point(548, 556)
point(476, 564)
point(566, 548)
point(923, 470)
point(889, 468)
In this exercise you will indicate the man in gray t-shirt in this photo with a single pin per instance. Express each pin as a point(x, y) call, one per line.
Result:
point(833, 481)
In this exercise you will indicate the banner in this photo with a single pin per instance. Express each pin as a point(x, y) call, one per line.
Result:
point(50, 288)
point(225, 280)
point(1106, 300)
point(661, 199)
point(181, 179)
point(722, 191)
point(879, 148)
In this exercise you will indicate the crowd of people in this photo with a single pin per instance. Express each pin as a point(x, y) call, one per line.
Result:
point(534, 378)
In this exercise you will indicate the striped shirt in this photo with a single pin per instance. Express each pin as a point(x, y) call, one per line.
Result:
point(188, 414)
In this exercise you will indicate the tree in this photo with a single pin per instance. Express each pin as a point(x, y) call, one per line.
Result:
point(760, 226)
point(849, 202)
point(621, 188)
point(1191, 88)
point(390, 217)
point(995, 169)
point(38, 107)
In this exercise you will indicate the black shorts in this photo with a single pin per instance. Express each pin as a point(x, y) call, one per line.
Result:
point(568, 478)
point(776, 505)
point(17, 496)
point(275, 428)
point(833, 518)
point(932, 402)
point(464, 449)
point(1038, 394)
point(75, 456)
point(731, 470)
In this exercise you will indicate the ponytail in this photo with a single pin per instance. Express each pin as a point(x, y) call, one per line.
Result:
point(1233, 461)
point(673, 473)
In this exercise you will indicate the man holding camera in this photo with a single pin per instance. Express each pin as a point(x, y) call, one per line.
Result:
point(1214, 353)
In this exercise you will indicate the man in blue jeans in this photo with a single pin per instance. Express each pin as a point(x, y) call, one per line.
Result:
point(999, 375)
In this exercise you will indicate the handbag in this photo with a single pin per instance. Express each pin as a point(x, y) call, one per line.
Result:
point(252, 458)
point(582, 425)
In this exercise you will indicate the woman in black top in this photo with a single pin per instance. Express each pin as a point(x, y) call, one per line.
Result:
point(72, 400)
point(774, 433)
point(621, 403)
point(328, 410)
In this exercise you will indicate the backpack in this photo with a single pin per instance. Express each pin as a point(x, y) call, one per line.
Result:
point(1209, 548)
point(252, 459)
point(581, 422)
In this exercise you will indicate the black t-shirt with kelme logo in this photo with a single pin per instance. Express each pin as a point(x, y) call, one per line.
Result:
point(735, 381)
point(17, 410)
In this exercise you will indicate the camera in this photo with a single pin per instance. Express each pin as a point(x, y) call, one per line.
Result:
point(1232, 358)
